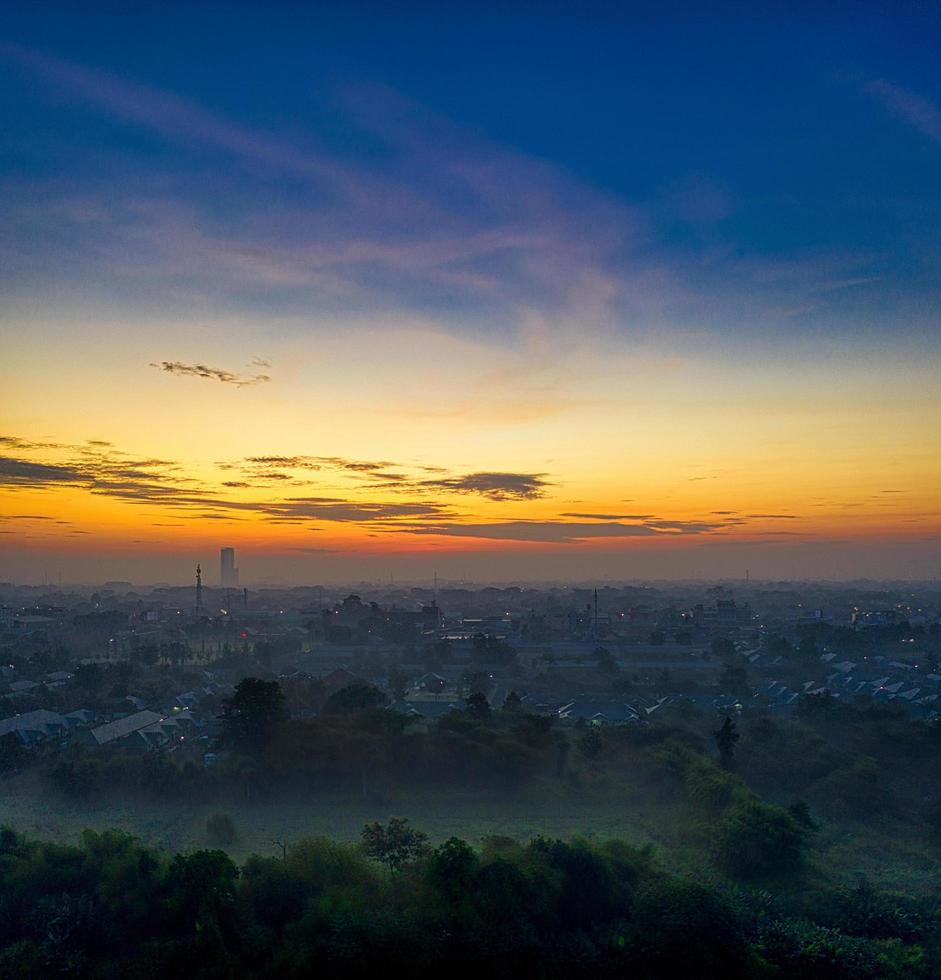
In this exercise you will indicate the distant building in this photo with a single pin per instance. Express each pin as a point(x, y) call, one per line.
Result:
point(229, 573)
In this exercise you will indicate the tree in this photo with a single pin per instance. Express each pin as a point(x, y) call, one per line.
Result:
point(88, 676)
point(395, 843)
point(353, 699)
point(398, 682)
point(176, 652)
point(477, 682)
point(754, 839)
point(800, 814)
point(726, 737)
point(452, 869)
point(590, 744)
point(486, 648)
point(478, 705)
point(605, 660)
point(253, 713)
point(512, 702)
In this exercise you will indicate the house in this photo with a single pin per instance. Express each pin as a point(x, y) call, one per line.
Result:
point(23, 687)
point(58, 678)
point(33, 727)
point(425, 708)
point(122, 728)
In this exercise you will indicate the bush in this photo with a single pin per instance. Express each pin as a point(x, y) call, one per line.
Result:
point(220, 830)
point(804, 950)
point(756, 839)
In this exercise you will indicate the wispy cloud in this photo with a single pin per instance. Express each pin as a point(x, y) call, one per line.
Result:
point(556, 532)
point(216, 374)
point(444, 219)
point(919, 112)
point(610, 517)
point(380, 496)
point(389, 475)
point(173, 116)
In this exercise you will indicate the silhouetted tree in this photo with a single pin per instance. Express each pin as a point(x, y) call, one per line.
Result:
point(726, 737)
point(398, 682)
point(722, 647)
point(354, 698)
point(253, 713)
point(395, 843)
point(590, 744)
point(478, 705)
point(512, 702)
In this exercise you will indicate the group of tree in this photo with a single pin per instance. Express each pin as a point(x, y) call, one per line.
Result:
point(393, 905)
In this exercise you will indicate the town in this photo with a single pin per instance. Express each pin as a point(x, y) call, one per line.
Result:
point(148, 669)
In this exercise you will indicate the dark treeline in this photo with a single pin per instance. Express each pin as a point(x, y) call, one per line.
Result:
point(848, 762)
point(111, 907)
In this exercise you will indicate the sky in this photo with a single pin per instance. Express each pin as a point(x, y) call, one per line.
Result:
point(499, 292)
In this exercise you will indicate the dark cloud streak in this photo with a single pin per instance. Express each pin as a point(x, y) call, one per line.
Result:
point(215, 374)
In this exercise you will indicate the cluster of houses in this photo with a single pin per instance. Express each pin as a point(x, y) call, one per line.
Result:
point(143, 730)
point(878, 679)
point(128, 722)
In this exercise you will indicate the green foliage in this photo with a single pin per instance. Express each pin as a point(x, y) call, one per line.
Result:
point(110, 907)
point(804, 950)
point(682, 929)
point(755, 839)
point(800, 813)
point(395, 843)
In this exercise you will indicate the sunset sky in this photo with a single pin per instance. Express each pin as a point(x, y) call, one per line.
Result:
point(368, 294)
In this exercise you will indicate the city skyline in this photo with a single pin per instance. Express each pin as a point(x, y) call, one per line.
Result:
point(661, 308)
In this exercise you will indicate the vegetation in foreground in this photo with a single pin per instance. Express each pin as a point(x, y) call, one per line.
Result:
point(766, 829)
point(111, 907)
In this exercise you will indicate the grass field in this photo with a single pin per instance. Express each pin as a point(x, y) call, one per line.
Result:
point(180, 825)
point(885, 854)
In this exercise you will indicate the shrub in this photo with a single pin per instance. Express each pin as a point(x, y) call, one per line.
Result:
point(756, 839)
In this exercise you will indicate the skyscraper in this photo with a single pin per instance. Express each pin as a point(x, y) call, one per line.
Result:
point(229, 573)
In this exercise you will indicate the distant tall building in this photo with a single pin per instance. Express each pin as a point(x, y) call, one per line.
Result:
point(229, 573)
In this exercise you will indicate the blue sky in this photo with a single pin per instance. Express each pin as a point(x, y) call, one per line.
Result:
point(796, 154)
point(622, 250)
